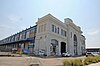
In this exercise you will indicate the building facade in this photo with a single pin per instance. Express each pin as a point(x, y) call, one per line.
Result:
point(51, 36)
point(23, 40)
point(95, 50)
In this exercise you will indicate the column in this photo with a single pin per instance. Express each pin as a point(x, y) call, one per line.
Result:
point(59, 46)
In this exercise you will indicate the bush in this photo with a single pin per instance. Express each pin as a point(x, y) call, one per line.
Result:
point(90, 60)
point(73, 62)
point(98, 58)
point(67, 62)
point(79, 62)
point(87, 61)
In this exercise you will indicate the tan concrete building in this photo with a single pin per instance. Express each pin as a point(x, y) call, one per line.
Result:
point(55, 37)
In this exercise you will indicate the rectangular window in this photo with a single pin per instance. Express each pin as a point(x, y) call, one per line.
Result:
point(52, 28)
point(71, 34)
point(55, 29)
point(65, 33)
point(61, 31)
point(58, 30)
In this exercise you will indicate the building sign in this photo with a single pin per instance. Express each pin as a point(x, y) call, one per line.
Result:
point(26, 51)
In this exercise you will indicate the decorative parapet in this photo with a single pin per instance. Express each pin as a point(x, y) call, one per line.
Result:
point(69, 22)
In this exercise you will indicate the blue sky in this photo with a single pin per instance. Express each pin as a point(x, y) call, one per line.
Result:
point(16, 15)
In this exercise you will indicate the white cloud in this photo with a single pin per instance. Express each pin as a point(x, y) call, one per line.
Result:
point(93, 32)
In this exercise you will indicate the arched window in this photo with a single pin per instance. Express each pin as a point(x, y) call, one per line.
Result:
point(53, 47)
point(75, 44)
point(54, 42)
point(75, 40)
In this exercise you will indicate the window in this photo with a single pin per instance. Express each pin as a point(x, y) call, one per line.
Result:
point(71, 34)
point(58, 30)
point(63, 32)
point(55, 29)
point(52, 28)
point(82, 48)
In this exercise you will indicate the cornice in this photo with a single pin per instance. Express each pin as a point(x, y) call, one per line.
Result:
point(54, 19)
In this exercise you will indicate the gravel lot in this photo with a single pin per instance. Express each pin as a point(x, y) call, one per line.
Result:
point(25, 61)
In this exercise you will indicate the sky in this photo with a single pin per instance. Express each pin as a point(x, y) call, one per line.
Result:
point(17, 15)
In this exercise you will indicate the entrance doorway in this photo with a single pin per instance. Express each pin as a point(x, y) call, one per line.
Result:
point(63, 47)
